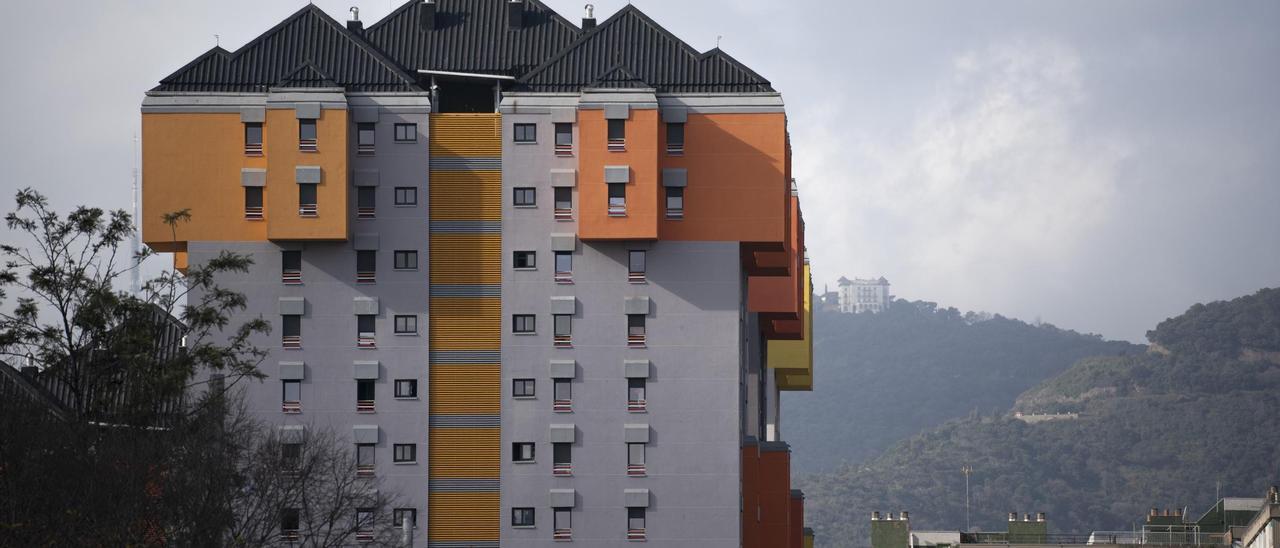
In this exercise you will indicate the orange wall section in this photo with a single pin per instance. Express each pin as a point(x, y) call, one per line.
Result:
point(737, 183)
point(643, 192)
point(281, 136)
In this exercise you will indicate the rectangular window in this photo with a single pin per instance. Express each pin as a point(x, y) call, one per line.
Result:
point(526, 133)
point(366, 331)
point(564, 139)
point(291, 330)
point(404, 452)
point(562, 327)
point(562, 521)
point(562, 459)
point(406, 133)
point(364, 524)
point(562, 395)
point(364, 138)
point(522, 388)
point(366, 266)
point(636, 265)
point(399, 514)
point(405, 260)
point(290, 522)
point(524, 259)
point(253, 203)
point(364, 459)
point(617, 134)
point(525, 197)
point(564, 203)
point(406, 195)
point(617, 199)
point(635, 454)
point(675, 138)
point(406, 388)
point(522, 517)
point(366, 396)
point(366, 202)
point(635, 524)
point(635, 395)
point(290, 456)
point(635, 330)
point(522, 452)
point(291, 266)
point(291, 396)
point(564, 266)
point(307, 136)
point(675, 202)
point(406, 325)
point(307, 206)
point(523, 323)
point(253, 138)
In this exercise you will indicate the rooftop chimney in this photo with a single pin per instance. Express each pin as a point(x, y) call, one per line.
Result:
point(515, 13)
point(875, 516)
point(1040, 516)
point(1013, 516)
point(354, 24)
point(589, 18)
point(904, 515)
point(427, 15)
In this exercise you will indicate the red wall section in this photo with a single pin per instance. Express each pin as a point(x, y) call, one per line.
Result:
point(643, 192)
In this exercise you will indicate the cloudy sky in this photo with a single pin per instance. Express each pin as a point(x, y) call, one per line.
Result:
point(1100, 165)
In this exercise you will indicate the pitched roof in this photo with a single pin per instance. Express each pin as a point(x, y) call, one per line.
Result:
point(472, 36)
point(649, 52)
point(308, 49)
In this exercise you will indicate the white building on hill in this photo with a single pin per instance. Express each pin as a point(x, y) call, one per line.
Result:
point(864, 295)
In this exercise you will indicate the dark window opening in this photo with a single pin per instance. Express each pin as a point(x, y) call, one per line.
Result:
point(307, 206)
point(253, 203)
point(522, 388)
point(364, 138)
point(524, 259)
point(525, 197)
point(675, 138)
point(523, 323)
point(366, 202)
point(253, 138)
point(526, 133)
point(406, 133)
point(406, 195)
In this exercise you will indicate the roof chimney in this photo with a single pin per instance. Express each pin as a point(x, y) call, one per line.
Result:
point(1013, 516)
point(427, 15)
point(1040, 516)
point(904, 515)
point(354, 24)
point(515, 13)
point(589, 18)
point(875, 516)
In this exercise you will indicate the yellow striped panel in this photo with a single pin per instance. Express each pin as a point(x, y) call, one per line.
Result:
point(463, 516)
point(460, 323)
point(466, 259)
point(466, 389)
point(464, 452)
point(466, 195)
point(466, 135)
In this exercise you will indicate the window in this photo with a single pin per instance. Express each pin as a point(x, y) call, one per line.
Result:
point(562, 523)
point(366, 202)
point(617, 134)
point(562, 459)
point(617, 199)
point(289, 523)
point(562, 395)
point(307, 206)
point(563, 203)
point(366, 396)
point(406, 388)
point(406, 133)
point(406, 325)
point(291, 330)
point(291, 396)
point(364, 459)
point(635, 395)
point(675, 202)
point(562, 329)
point(364, 138)
point(523, 323)
point(525, 197)
point(564, 266)
point(522, 452)
point(635, 329)
point(636, 265)
point(253, 203)
point(675, 138)
point(406, 195)
point(635, 455)
point(564, 139)
point(399, 514)
point(366, 331)
point(364, 524)
point(524, 259)
point(522, 517)
point(253, 138)
point(307, 136)
point(404, 452)
point(635, 523)
point(291, 266)
point(526, 133)
point(406, 260)
point(290, 456)
point(366, 266)
point(522, 388)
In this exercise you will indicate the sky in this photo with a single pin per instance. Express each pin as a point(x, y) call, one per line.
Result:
point(1098, 165)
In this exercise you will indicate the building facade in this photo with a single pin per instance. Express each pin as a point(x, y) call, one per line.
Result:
point(864, 295)
point(552, 295)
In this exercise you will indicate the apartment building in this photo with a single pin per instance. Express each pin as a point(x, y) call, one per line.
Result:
point(551, 293)
point(863, 295)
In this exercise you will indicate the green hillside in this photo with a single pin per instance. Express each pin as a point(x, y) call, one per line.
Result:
point(1153, 430)
point(881, 378)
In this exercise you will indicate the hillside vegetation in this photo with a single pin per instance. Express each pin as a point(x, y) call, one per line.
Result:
point(1155, 430)
point(881, 378)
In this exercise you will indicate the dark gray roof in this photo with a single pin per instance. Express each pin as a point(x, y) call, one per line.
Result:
point(631, 45)
point(308, 49)
point(472, 36)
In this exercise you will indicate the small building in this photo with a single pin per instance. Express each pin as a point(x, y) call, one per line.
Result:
point(864, 295)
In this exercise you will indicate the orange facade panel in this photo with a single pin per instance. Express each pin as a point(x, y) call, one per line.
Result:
point(639, 157)
point(283, 209)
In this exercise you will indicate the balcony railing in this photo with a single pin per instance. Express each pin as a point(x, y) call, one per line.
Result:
point(635, 341)
point(562, 406)
point(366, 212)
point(563, 341)
point(617, 210)
point(675, 149)
point(364, 536)
point(675, 213)
point(562, 534)
point(635, 534)
point(636, 470)
point(637, 406)
point(291, 407)
point(617, 145)
point(253, 213)
point(564, 214)
point(366, 340)
point(366, 277)
point(291, 277)
point(364, 150)
point(308, 145)
point(564, 150)
point(253, 149)
point(636, 277)
point(289, 535)
point(308, 210)
point(365, 406)
point(564, 277)
point(562, 469)
point(291, 341)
